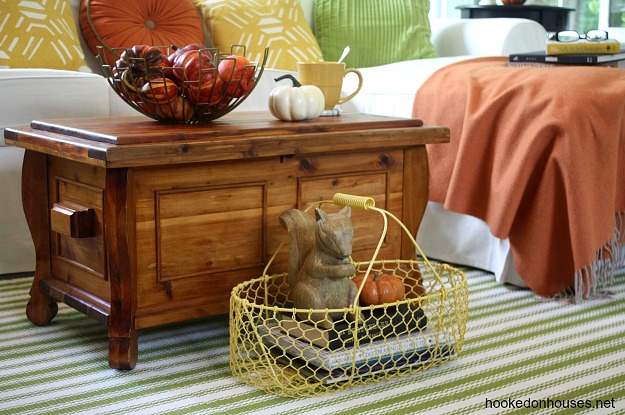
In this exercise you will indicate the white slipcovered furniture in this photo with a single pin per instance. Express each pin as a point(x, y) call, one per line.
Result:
point(29, 94)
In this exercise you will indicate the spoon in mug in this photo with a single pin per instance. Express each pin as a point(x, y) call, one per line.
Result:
point(345, 52)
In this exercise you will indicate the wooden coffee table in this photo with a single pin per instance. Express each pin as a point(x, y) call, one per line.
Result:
point(139, 224)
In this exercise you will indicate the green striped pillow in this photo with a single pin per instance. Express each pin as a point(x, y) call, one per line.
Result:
point(377, 31)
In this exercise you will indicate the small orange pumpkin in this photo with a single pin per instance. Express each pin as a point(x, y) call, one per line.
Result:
point(380, 289)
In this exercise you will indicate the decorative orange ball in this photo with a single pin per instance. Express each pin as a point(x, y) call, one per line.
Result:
point(380, 289)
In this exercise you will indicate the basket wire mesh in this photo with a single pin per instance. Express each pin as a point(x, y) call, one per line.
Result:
point(275, 350)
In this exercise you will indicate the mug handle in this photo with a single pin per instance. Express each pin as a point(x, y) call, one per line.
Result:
point(353, 94)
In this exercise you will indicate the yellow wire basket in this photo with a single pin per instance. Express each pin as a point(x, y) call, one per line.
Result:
point(276, 350)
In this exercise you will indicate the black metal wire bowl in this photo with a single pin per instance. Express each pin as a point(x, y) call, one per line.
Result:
point(168, 94)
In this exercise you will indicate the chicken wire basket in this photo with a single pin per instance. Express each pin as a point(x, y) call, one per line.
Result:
point(273, 349)
point(199, 87)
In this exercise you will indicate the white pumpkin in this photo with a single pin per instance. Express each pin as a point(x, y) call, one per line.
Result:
point(297, 102)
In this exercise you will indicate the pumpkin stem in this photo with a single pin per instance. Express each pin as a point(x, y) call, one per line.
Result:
point(296, 83)
point(376, 276)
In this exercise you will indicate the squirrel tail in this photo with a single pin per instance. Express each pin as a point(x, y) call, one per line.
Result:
point(301, 228)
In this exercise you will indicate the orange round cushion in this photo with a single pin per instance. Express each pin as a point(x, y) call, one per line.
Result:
point(125, 23)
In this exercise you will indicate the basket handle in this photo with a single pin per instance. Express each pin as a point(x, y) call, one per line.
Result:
point(368, 203)
point(357, 202)
point(364, 203)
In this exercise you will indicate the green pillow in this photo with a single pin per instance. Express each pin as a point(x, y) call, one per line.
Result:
point(377, 31)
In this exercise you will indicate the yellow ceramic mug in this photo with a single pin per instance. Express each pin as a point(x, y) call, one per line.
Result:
point(327, 76)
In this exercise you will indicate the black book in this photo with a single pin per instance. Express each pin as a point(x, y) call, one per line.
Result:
point(378, 323)
point(393, 350)
point(590, 59)
point(421, 355)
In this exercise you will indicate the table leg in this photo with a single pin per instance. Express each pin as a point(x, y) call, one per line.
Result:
point(119, 220)
point(416, 193)
point(41, 308)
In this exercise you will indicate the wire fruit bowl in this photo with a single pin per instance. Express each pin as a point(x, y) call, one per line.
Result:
point(273, 349)
point(188, 85)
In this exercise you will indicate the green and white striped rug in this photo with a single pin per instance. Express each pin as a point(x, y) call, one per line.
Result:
point(520, 351)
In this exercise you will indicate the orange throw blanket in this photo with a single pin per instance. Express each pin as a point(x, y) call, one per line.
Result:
point(539, 155)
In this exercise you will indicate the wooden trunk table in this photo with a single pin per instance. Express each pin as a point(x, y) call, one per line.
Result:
point(139, 224)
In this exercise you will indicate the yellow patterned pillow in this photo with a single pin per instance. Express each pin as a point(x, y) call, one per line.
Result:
point(39, 34)
point(277, 24)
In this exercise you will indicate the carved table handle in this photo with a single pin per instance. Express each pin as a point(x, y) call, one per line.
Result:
point(73, 220)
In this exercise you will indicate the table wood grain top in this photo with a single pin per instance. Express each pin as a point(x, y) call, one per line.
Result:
point(137, 140)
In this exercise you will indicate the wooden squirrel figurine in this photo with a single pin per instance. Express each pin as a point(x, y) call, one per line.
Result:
point(319, 267)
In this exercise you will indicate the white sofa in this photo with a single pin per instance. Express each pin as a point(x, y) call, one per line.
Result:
point(29, 94)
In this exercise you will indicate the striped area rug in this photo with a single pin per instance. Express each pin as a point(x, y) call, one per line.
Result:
point(522, 355)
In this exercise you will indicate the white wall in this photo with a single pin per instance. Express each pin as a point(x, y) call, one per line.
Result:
point(446, 9)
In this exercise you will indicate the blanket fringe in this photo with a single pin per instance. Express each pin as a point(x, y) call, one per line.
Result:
point(594, 280)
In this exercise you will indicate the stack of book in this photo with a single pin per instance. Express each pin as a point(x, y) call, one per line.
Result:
point(608, 52)
point(376, 324)
point(318, 355)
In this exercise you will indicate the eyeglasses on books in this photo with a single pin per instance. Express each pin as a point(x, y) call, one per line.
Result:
point(573, 36)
